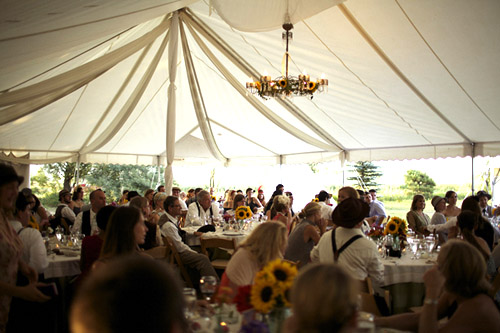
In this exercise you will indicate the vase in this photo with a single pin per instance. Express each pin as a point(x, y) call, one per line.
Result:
point(276, 319)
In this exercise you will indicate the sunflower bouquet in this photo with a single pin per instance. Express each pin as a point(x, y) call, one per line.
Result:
point(242, 213)
point(396, 226)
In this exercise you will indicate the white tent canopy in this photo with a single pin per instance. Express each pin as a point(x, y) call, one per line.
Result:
point(150, 82)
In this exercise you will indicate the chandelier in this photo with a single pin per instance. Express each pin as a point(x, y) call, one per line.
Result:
point(286, 85)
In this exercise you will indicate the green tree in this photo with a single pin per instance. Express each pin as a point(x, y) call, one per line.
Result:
point(367, 174)
point(66, 171)
point(417, 182)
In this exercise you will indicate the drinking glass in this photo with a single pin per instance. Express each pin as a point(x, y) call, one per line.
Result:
point(190, 299)
point(413, 246)
point(431, 242)
point(208, 285)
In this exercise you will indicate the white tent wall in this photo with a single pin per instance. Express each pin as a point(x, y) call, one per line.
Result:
point(407, 79)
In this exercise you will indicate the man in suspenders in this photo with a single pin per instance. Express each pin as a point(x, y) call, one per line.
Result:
point(347, 245)
point(85, 221)
point(202, 210)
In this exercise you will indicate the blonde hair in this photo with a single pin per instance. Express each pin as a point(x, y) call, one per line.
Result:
point(351, 192)
point(463, 268)
point(310, 209)
point(308, 301)
point(280, 202)
point(159, 197)
point(266, 242)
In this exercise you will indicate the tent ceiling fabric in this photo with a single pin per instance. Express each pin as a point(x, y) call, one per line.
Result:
point(89, 80)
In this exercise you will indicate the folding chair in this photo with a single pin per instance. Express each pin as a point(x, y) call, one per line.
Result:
point(176, 260)
point(160, 253)
point(369, 299)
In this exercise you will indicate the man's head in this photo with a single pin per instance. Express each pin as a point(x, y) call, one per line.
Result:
point(160, 188)
point(280, 188)
point(64, 196)
point(176, 191)
point(97, 200)
point(368, 198)
point(484, 197)
point(373, 193)
point(172, 206)
point(204, 199)
point(323, 196)
point(22, 211)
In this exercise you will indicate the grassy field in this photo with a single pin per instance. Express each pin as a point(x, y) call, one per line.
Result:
point(400, 208)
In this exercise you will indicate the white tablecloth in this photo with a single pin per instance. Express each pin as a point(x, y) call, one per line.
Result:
point(402, 270)
point(60, 266)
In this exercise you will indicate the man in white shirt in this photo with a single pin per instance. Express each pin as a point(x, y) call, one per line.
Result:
point(86, 221)
point(176, 193)
point(377, 212)
point(171, 230)
point(326, 209)
point(373, 194)
point(63, 209)
point(34, 252)
point(357, 254)
point(202, 210)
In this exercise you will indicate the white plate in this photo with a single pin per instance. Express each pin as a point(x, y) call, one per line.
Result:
point(232, 233)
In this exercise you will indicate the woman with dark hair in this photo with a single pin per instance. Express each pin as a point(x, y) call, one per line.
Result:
point(239, 200)
point(467, 222)
point(417, 219)
point(452, 209)
point(153, 235)
point(77, 200)
point(130, 295)
point(484, 228)
point(456, 287)
point(252, 202)
point(124, 233)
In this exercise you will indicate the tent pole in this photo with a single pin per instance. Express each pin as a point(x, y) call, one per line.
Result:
point(77, 180)
point(472, 175)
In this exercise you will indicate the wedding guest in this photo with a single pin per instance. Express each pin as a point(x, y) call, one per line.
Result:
point(229, 200)
point(124, 198)
point(357, 254)
point(326, 207)
point(11, 249)
point(176, 192)
point(373, 194)
point(439, 204)
point(171, 229)
point(280, 189)
point(377, 212)
point(347, 192)
point(40, 214)
point(417, 219)
point(484, 228)
point(86, 221)
point(153, 234)
point(486, 209)
point(34, 251)
point(64, 210)
point(77, 200)
point(160, 188)
point(261, 197)
point(305, 235)
point(252, 202)
point(125, 231)
point(452, 209)
point(239, 200)
point(194, 197)
point(30, 199)
point(92, 245)
point(149, 194)
point(158, 200)
point(280, 210)
point(455, 290)
point(130, 295)
point(267, 242)
point(321, 284)
point(201, 210)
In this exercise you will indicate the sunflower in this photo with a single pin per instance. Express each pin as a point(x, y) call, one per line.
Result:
point(391, 228)
point(311, 85)
point(285, 296)
point(263, 295)
point(213, 198)
point(282, 83)
point(258, 85)
point(240, 214)
point(315, 200)
point(283, 272)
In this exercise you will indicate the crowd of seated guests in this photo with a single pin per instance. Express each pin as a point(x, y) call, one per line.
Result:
point(113, 255)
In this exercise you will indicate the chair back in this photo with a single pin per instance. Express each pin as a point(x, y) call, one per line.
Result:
point(160, 252)
point(223, 243)
point(176, 260)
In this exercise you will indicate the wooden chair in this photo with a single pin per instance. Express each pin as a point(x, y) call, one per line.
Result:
point(177, 261)
point(367, 293)
point(160, 253)
point(222, 243)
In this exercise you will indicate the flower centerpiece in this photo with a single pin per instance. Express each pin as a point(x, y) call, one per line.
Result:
point(270, 293)
point(397, 229)
point(376, 233)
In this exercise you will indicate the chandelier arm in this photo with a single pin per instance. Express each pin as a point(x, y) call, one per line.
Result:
point(199, 105)
point(266, 112)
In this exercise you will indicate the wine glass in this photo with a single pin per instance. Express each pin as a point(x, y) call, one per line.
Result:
point(208, 284)
point(413, 246)
point(190, 299)
point(431, 242)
